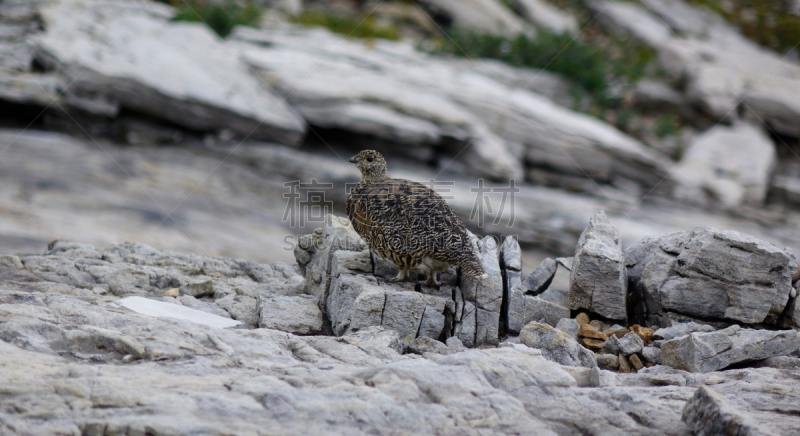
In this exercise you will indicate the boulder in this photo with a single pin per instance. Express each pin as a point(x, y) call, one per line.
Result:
point(704, 352)
point(731, 164)
point(180, 72)
point(709, 274)
point(707, 413)
point(598, 281)
point(556, 345)
point(296, 314)
point(629, 344)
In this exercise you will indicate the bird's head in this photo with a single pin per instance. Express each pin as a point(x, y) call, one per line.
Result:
point(371, 164)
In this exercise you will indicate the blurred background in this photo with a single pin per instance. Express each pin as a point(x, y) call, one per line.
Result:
point(222, 127)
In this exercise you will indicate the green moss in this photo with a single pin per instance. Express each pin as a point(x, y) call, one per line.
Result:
point(222, 18)
point(771, 23)
point(362, 27)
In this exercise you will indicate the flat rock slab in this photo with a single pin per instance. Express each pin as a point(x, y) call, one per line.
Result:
point(707, 414)
point(134, 56)
point(704, 352)
point(146, 306)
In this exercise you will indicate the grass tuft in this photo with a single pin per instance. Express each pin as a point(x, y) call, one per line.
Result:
point(221, 18)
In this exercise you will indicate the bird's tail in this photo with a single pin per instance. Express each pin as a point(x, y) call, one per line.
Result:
point(474, 268)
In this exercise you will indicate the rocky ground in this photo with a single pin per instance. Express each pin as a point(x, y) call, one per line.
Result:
point(226, 296)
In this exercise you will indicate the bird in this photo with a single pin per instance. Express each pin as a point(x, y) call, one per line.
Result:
point(407, 223)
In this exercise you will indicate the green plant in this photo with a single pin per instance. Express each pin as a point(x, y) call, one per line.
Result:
point(221, 17)
point(595, 67)
point(667, 125)
point(772, 23)
point(360, 27)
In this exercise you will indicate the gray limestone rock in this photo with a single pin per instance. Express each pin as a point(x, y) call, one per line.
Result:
point(651, 355)
point(780, 362)
point(731, 165)
point(485, 295)
point(611, 346)
point(297, 314)
point(708, 414)
point(704, 352)
point(178, 72)
point(569, 326)
point(556, 345)
point(631, 343)
point(598, 281)
point(710, 274)
point(608, 361)
point(681, 329)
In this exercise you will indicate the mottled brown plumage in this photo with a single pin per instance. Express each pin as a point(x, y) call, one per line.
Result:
point(407, 223)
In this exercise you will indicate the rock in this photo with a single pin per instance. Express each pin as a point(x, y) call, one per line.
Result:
point(681, 329)
point(513, 308)
point(482, 16)
point(608, 361)
point(631, 19)
point(631, 343)
point(569, 326)
point(178, 72)
point(588, 331)
point(422, 345)
point(721, 69)
point(792, 319)
point(556, 345)
point(91, 367)
point(598, 281)
point(708, 274)
point(733, 164)
point(455, 343)
point(297, 314)
point(174, 292)
point(636, 362)
point(543, 15)
point(485, 294)
point(582, 318)
point(592, 344)
point(533, 301)
point(611, 346)
point(624, 365)
point(149, 307)
point(704, 352)
point(780, 362)
point(197, 288)
point(541, 278)
point(205, 306)
point(707, 413)
point(645, 333)
point(651, 355)
point(584, 377)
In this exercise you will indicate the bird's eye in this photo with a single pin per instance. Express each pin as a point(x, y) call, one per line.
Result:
point(369, 159)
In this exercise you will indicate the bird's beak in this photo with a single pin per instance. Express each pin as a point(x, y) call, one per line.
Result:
point(352, 160)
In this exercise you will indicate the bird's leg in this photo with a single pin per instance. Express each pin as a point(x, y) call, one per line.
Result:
point(432, 281)
point(401, 276)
